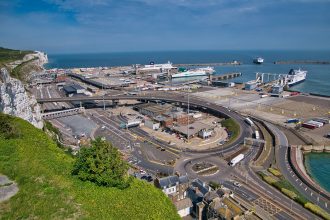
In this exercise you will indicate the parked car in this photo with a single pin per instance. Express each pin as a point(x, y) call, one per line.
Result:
point(237, 184)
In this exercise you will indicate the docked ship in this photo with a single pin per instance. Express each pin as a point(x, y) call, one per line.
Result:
point(258, 60)
point(194, 72)
point(295, 76)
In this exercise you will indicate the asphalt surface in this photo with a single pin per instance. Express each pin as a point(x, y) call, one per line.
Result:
point(255, 184)
point(288, 173)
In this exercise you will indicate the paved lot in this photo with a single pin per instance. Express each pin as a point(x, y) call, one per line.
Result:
point(79, 125)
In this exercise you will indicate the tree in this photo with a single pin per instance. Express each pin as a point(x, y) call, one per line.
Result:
point(102, 164)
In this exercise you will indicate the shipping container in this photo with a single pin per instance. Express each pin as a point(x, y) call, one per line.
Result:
point(322, 120)
point(236, 160)
point(307, 125)
point(292, 120)
point(318, 124)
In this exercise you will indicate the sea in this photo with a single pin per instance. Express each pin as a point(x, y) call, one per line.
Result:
point(318, 166)
point(317, 81)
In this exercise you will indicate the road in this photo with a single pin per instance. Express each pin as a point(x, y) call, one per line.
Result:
point(288, 173)
point(258, 186)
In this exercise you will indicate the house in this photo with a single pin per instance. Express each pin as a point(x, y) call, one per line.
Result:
point(175, 187)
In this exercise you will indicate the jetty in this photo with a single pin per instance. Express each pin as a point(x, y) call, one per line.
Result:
point(224, 77)
point(302, 62)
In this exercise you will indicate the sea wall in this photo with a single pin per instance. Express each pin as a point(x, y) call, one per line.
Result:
point(313, 148)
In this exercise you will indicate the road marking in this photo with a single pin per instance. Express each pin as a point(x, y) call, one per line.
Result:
point(293, 175)
point(306, 189)
point(297, 180)
point(291, 171)
point(300, 184)
point(311, 193)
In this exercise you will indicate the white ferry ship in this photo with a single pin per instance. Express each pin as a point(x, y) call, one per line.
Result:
point(296, 76)
point(194, 72)
point(258, 60)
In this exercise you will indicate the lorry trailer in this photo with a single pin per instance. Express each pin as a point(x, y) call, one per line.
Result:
point(249, 121)
point(236, 160)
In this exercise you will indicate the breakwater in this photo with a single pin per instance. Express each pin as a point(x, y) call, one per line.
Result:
point(301, 62)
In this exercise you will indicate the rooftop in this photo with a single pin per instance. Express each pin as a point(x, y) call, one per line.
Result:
point(170, 181)
point(194, 128)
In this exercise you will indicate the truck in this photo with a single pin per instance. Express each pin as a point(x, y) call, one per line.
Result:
point(256, 134)
point(236, 160)
point(249, 121)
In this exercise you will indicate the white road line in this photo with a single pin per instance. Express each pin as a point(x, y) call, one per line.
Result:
point(311, 193)
point(306, 189)
point(297, 180)
point(300, 184)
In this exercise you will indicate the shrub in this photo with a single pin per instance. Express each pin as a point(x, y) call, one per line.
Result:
point(270, 180)
point(275, 172)
point(289, 193)
point(102, 164)
point(214, 185)
point(317, 210)
point(8, 130)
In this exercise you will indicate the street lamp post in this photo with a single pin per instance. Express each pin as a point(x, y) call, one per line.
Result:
point(188, 120)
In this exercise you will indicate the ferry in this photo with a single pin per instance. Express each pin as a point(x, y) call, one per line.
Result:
point(296, 76)
point(194, 72)
point(258, 60)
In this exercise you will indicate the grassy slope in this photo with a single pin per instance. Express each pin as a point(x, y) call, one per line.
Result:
point(48, 191)
point(9, 55)
point(232, 126)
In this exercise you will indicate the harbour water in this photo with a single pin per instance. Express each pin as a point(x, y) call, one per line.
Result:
point(317, 80)
point(318, 166)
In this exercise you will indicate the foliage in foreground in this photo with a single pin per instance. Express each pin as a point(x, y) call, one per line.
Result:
point(8, 129)
point(102, 164)
point(47, 190)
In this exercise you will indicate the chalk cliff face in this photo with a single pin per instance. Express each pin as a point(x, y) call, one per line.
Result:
point(14, 100)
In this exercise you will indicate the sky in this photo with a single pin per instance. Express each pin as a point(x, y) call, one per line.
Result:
point(78, 26)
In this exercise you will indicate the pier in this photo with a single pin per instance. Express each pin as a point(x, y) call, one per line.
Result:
point(302, 62)
point(224, 77)
point(206, 64)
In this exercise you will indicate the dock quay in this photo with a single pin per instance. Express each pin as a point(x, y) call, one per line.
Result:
point(206, 64)
point(302, 62)
point(225, 76)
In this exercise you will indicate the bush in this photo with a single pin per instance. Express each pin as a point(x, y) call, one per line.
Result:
point(8, 130)
point(270, 180)
point(317, 210)
point(275, 172)
point(289, 193)
point(214, 185)
point(102, 164)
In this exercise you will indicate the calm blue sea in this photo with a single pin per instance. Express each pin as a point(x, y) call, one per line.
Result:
point(318, 165)
point(318, 78)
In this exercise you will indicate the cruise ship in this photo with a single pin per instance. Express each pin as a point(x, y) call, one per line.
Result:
point(258, 60)
point(296, 76)
point(194, 72)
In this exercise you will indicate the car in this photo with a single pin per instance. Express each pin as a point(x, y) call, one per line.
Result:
point(237, 184)
point(142, 172)
point(149, 178)
point(162, 149)
point(144, 177)
point(103, 127)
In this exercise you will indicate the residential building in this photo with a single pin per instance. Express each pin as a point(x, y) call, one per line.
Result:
point(175, 187)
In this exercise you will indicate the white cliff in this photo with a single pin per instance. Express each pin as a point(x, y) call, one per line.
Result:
point(14, 100)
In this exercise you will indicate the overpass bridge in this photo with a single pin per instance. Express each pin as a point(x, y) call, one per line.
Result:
point(63, 113)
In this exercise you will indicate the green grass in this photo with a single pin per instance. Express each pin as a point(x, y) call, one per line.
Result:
point(9, 55)
point(232, 126)
point(18, 71)
point(48, 191)
point(275, 172)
